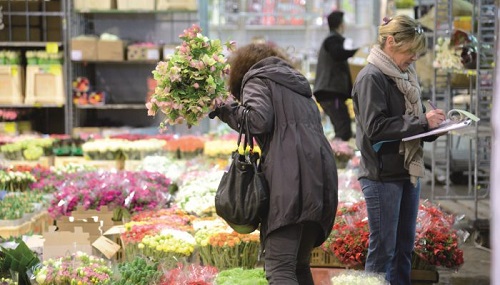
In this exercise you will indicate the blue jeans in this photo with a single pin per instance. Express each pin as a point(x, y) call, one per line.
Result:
point(392, 216)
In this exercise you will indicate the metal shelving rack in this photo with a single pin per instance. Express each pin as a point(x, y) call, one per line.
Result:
point(486, 53)
point(165, 26)
point(42, 13)
point(441, 95)
point(484, 26)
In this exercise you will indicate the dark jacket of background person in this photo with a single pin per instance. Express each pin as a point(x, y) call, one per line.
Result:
point(387, 164)
point(332, 72)
point(298, 161)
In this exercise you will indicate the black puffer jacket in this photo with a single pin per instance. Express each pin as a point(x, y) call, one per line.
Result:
point(298, 161)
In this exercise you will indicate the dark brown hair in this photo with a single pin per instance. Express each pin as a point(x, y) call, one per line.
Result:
point(242, 59)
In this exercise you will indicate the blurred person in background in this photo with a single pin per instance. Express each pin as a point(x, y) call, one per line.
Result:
point(333, 83)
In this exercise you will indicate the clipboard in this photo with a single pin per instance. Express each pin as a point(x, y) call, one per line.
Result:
point(446, 128)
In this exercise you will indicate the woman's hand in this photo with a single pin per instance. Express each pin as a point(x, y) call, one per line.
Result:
point(220, 107)
point(435, 117)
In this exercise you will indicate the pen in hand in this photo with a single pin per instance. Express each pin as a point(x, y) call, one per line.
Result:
point(432, 104)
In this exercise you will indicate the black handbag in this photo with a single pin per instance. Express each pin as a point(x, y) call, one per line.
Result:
point(242, 196)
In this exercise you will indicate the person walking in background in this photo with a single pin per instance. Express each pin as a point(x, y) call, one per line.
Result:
point(297, 159)
point(388, 108)
point(333, 83)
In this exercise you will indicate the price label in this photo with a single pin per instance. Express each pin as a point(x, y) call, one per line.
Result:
point(52, 48)
point(14, 70)
point(55, 69)
point(10, 127)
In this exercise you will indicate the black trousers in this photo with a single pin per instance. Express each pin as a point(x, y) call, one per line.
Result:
point(287, 254)
point(336, 109)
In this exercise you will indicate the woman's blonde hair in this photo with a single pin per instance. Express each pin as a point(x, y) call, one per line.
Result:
point(406, 32)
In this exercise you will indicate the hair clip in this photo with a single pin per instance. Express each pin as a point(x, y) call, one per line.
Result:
point(419, 30)
point(386, 21)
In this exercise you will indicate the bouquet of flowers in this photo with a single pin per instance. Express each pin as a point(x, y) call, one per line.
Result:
point(133, 191)
point(350, 235)
point(191, 80)
point(79, 268)
point(15, 180)
point(224, 248)
point(343, 152)
point(139, 271)
point(151, 223)
point(358, 278)
point(437, 241)
point(446, 57)
point(191, 274)
point(169, 246)
point(197, 196)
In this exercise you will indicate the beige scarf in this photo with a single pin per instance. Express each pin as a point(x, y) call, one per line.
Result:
point(408, 85)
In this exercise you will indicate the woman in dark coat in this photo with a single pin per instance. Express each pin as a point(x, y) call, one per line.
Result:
point(297, 159)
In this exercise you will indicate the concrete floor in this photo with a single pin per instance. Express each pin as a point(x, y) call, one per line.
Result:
point(477, 259)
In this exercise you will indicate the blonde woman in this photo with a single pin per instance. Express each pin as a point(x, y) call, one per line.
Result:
point(388, 107)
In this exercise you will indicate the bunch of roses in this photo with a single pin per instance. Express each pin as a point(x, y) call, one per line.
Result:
point(436, 240)
point(350, 235)
point(192, 79)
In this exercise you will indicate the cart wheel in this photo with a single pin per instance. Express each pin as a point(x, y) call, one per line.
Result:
point(481, 238)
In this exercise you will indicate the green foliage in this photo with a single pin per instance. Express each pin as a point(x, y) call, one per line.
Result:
point(240, 276)
point(405, 4)
point(138, 271)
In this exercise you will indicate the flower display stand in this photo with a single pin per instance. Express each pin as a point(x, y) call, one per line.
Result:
point(44, 161)
point(15, 231)
point(61, 161)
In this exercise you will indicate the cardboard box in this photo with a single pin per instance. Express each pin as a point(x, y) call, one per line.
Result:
point(110, 50)
point(84, 49)
point(358, 61)
point(44, 84)
point(11, 84)
point(62, 243)
point(87, 5)
point(143, 5)
point(137, 52)
point(189, 5)
point(93, 222)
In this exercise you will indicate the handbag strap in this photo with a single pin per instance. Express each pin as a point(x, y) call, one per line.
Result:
point(249, 138)
point(242, 127)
